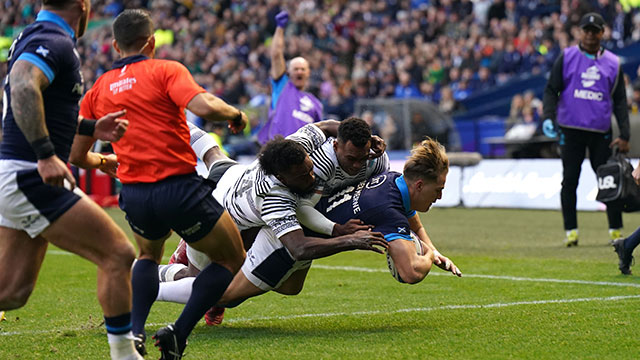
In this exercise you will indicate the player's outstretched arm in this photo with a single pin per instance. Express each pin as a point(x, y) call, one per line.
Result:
point(278, 66)
point(308, 248)
point(27, 84)
point(440, 260)
point(212, 108)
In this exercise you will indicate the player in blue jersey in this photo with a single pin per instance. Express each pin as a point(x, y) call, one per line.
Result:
point(39, 203)
point(388, 202)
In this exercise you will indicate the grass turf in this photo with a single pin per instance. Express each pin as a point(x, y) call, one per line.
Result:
point(523, 296)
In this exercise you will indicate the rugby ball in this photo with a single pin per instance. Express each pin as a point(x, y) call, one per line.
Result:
point(392, 266)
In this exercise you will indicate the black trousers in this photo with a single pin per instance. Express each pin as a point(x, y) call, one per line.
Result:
point(573, 146)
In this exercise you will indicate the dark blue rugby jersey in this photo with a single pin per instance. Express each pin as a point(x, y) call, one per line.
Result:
point(381, 201)
point(49, 44)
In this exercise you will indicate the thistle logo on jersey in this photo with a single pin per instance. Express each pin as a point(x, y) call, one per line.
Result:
point(42, 51)
point(607, 182)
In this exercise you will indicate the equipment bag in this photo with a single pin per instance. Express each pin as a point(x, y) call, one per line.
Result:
point(616, 186)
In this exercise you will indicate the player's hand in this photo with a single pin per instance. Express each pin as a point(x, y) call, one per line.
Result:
point(623, 145)
point(238, 123)
point(282, 19)
point(111, 127)
point(636, 174)
point(54, 172)
point(444, 263)
point(110, 166)
point(369, 240)
point(378, 146)
point(349, 227)
point(549, 128)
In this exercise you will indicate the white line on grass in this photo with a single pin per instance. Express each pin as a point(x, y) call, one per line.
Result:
point(496, 277)
point(479, 276)
point(373, 312)
point(426, 309)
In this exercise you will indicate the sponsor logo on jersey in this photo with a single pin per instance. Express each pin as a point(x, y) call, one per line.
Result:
point(590, 76)
point(376, 181)
point(122, 85)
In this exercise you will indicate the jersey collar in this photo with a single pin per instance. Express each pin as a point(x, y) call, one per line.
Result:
point(404, 191)
point(129, 60)
point(45, 15)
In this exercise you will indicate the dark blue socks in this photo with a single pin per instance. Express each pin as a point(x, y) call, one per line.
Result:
point(145, 284)
point(208, 288)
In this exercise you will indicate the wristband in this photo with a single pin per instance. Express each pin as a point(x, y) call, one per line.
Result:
point(43, 148)
point(87, 127)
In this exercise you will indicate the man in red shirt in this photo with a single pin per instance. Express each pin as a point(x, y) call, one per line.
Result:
point(161, 190)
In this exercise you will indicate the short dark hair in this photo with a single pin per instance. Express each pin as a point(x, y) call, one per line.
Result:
point(280, 154)
point(132, 28)
point(56, 4)
point(355, 130)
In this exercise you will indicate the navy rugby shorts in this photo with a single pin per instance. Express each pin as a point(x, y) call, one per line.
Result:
point(182, 203)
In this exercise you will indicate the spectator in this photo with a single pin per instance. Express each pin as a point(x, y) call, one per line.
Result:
point(291, 107)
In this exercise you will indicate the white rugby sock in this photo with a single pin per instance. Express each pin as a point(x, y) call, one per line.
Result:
point(122, 348)
point(200, 141)
point(176, 291)
point(168, 272)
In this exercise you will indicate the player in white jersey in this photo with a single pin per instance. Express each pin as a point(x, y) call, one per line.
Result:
point(256, 198)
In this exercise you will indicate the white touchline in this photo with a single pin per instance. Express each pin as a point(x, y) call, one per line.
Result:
point(375, 312)
point(497, 277)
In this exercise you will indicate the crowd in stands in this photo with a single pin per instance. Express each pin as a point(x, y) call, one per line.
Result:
point(440, 50)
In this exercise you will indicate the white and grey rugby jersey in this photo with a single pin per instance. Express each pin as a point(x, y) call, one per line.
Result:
point(327, 169)
point(256, 199)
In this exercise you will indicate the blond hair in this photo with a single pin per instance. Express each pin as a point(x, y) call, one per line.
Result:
point(428, 161)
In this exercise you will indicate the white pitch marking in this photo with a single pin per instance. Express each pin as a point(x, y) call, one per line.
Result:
point(376, 312)
point(496, 277)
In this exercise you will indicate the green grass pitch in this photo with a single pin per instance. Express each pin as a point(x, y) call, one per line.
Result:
point(523, 296)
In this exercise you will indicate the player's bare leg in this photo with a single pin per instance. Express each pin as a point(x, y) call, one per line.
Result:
point(85, 229)
point(21, 258)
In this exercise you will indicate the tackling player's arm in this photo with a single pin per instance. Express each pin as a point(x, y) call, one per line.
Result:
point(308, 248)
point(317, 222)
point(212, 108)
point(328, 127)
point(27, 84)
point(440, 260)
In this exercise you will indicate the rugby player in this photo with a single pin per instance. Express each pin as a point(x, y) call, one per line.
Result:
point(161, 190)
point(268, 193)
point(38, 203)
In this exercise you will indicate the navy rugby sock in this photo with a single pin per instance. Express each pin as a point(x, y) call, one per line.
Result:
point(632, 241)
point(118, 325)
point(208, 288)
point(145, 283)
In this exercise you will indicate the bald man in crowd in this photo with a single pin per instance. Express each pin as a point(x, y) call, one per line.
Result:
point(291, 106)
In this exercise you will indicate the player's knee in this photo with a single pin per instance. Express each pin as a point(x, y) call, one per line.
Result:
point(120, 257)
point(14, 298)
